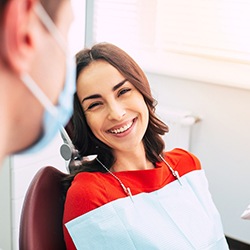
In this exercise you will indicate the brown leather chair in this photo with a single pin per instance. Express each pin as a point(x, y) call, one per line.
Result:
point(42, 212)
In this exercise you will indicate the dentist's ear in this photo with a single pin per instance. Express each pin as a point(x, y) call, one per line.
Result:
point(18, 33)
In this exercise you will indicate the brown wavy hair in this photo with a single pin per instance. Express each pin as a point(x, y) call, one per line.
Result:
point(84, 139)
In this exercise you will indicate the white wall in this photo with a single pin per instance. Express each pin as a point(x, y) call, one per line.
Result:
point(221, 141)
point(5, 206)
point(77, 29)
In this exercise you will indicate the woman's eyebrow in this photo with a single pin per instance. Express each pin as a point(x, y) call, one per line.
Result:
point(91, 97)
point(117, 86)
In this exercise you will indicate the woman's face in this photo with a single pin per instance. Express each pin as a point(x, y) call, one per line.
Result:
point(115, 110)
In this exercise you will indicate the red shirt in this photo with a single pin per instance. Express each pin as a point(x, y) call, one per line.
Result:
point(92, 190)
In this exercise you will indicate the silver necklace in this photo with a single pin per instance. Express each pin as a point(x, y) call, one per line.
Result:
point(127, 189)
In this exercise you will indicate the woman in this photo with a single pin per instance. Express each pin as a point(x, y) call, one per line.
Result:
point(133, 195)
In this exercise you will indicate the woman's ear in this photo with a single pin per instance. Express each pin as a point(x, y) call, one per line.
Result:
point(18, 43)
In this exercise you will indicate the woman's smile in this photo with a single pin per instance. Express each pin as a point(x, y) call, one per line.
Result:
point(124, 129)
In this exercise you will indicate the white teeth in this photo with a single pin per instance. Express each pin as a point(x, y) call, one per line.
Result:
point(122, 129)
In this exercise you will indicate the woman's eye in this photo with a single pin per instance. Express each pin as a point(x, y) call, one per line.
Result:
point(93, 105)
point(123, 91)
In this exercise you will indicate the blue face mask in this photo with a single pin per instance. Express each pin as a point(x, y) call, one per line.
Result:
point(55, 117)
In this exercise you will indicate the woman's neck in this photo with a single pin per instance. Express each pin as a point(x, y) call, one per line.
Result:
point(126, 161)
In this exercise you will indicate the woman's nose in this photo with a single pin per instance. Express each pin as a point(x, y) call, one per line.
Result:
point(116, 112)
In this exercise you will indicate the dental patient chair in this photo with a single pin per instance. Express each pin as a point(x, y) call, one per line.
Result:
point(41, 218)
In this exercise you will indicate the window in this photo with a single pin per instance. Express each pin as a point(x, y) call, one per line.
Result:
point(206, 40)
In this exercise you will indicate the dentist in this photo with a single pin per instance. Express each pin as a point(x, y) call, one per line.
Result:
point(36, 75)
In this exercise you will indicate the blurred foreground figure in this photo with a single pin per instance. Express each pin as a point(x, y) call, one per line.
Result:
point(36, 75)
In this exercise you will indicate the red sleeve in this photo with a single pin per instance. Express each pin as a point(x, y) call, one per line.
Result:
point(68, 241)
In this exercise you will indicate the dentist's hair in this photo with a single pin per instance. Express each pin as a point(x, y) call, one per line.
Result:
point(83, 138)
point(50, 6)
